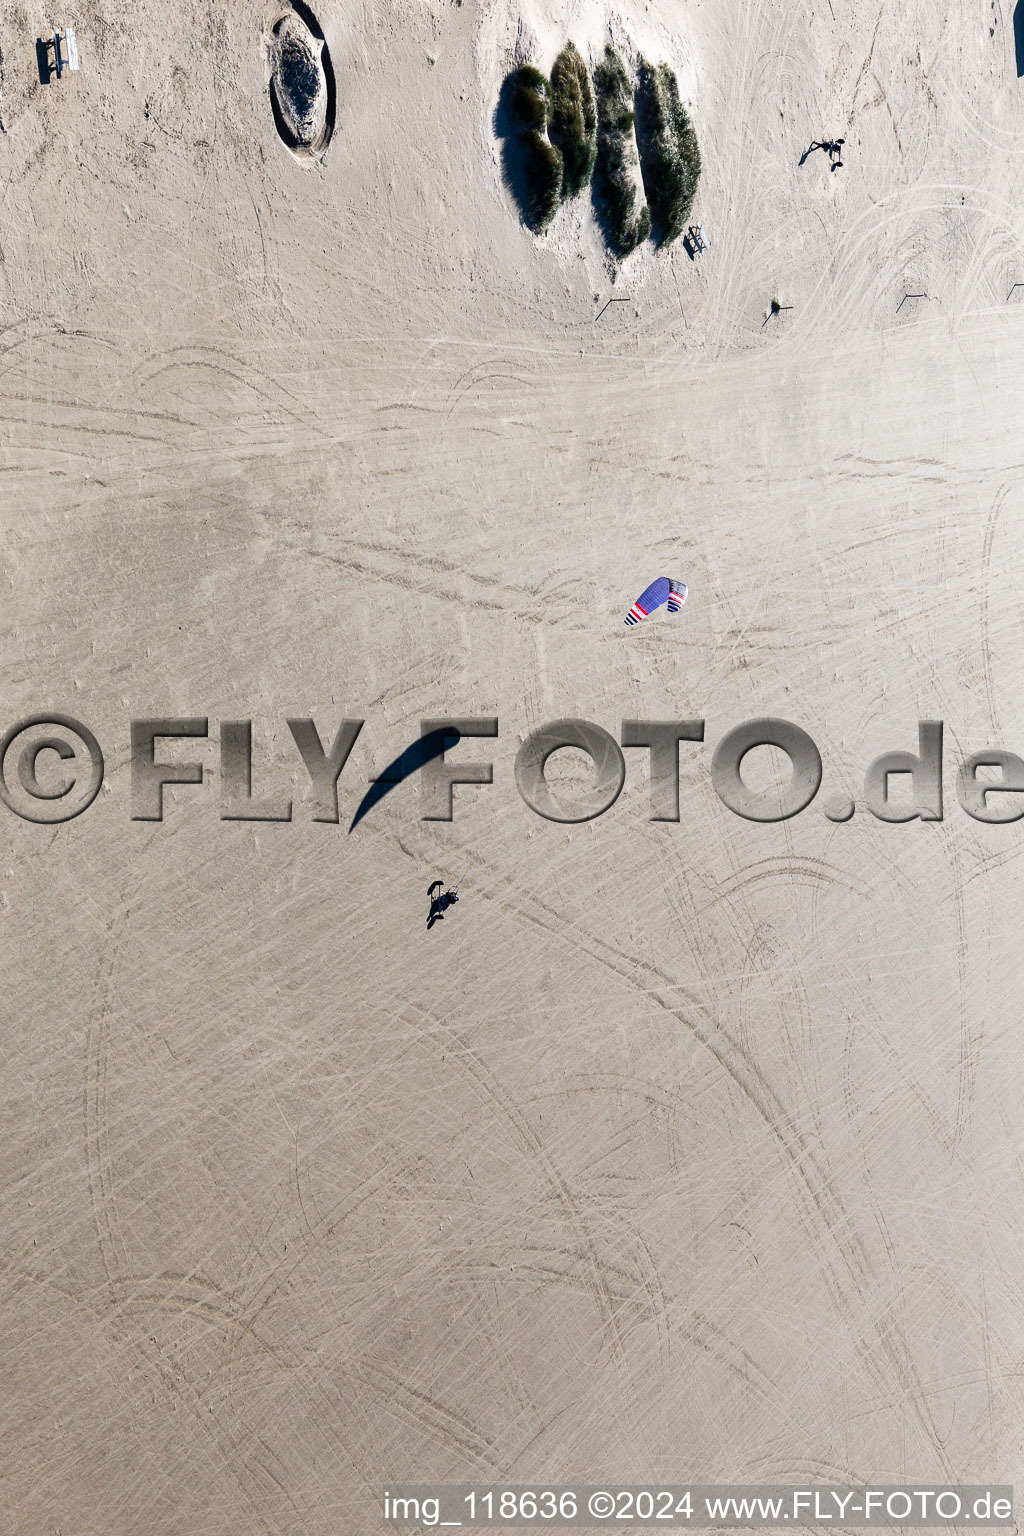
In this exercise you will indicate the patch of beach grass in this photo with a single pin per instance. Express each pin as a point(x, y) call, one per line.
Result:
point(627, 217)
point(533, 163)
point(572, 126)
point(669, 152)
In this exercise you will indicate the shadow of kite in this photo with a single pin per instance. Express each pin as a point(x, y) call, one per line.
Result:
point(433, 744)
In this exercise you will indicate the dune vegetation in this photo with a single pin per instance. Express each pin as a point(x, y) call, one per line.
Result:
point(564, 133)
point(669, 152)
point(627, 216)
point(538, 180)
point(573, 123)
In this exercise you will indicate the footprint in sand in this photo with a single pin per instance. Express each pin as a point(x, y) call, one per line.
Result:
point(300, 80)
point(631, 140)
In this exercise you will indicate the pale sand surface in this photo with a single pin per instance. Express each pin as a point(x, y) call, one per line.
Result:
point(677, 1151)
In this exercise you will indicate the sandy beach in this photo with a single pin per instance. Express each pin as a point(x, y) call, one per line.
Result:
point(685, 1151)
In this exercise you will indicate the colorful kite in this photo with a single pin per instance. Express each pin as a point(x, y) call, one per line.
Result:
point(664, 590)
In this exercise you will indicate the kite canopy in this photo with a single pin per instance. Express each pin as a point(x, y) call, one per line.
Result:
point(663, 590)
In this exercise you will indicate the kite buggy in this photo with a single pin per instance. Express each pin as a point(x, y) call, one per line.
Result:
point(440, 901)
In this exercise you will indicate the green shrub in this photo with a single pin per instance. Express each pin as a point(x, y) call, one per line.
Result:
point(573, 123)
point(669, 152)
point(542, 172)
point(529, 98)
point(627, 216)
point(533, 165)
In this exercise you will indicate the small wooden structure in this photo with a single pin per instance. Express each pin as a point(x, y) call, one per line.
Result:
point(65, 51)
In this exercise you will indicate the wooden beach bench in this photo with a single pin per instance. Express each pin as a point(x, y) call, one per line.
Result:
point(65, 51)
point(698, 238)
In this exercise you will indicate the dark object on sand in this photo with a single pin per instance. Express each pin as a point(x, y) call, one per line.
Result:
point(440, 901)
point(833, 147)
point(433, 744)
point(301, 82)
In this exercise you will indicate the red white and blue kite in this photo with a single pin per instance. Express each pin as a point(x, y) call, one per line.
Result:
point(664, 590)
